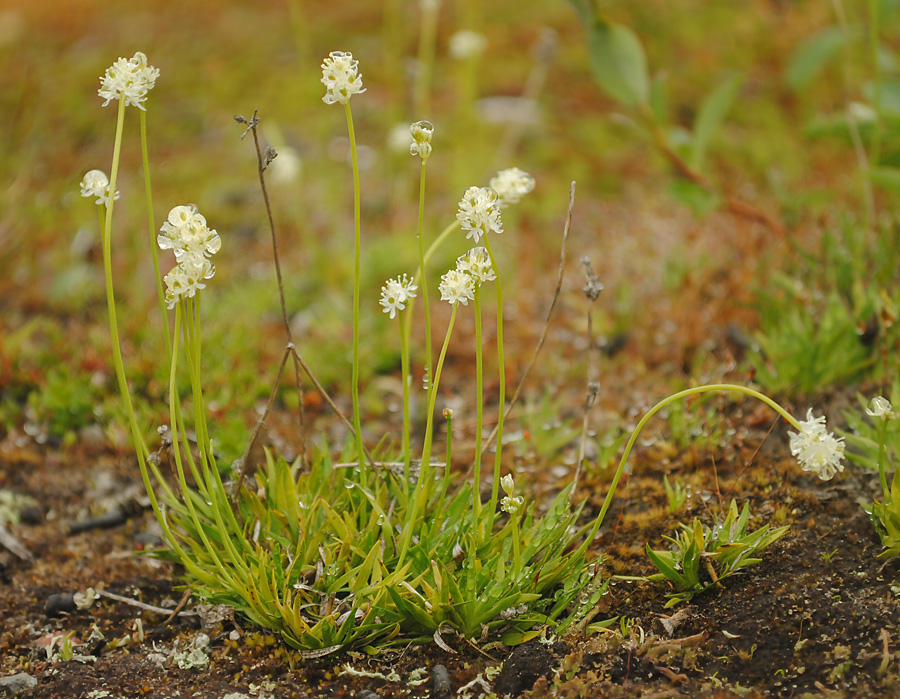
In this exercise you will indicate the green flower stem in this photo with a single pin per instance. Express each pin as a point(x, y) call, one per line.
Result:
point(650, 413)
point(186, 494)
point(357, 425)
point(420, 272)
point(882, 452)
point(479, 405)
point(422, 260)
point(517, 555)
point(501, 372)
point(404, 373)
point(140, 447)
point(448, 414)
point(160, 293)
point(425, 467)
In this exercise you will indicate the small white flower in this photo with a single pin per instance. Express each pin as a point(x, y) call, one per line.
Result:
point(479, 212)
point(185, 233)
point(95, 183)
point(508, 484)
point(817, 449)
point(186, 278)
point(421, 131)
point(880, 407)
point(341, 78)
point(457, 287)
point(467, 44)
point(477, 263)
point(131, 78)
point(512, 504)
point(395, 293)
point(85, 600)
point(511, 185)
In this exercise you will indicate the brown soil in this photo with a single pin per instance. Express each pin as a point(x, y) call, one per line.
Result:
point(818, 617)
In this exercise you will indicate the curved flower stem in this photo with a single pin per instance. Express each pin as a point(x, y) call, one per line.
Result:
point(479, 405)
point(160, 293)
point(501, 377)
point(425, 466)
point(357, 425)
point(650, 413)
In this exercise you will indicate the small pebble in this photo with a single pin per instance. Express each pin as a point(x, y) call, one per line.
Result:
point(31, 514)
point(367, 694)
point(148, 539)
point(59, 603)
point(440, 682)
point(15, 684)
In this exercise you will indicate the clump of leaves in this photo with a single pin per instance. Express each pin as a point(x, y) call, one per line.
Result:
point(885, 517)
point(868, 436)
point(805, 346)
point(722, 551)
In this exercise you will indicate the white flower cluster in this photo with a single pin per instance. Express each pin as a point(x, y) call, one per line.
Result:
point(131, 78)
point(341, 78)
point(479, 212)
point(421, 132)
point(95, 183)
point(457, 287)
point(395, 293)
point(817, 449)
point(477, 264)
point(511, 185)
point(185, 233)
point(511, 503)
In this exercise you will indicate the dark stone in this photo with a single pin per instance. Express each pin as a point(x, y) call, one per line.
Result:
point(31, 515)
point(60, 603)
point(440, 682)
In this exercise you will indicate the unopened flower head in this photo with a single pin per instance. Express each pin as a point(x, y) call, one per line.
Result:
point(421, 132)
point(467, 44)
point(479, 212)
point(187, 277)
point(511, 504)
point(130, 78)
point(511, 185)
point(95, 183)
point(395, 293)
point(881, 407)
point(457, 287)
point(477, 263)
point(508, 484)
point(817, 449)
point(185, 233)
point(341, 78)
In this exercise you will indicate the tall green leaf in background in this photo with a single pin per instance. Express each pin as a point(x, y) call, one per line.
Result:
point(616, 56)
point(712, 113)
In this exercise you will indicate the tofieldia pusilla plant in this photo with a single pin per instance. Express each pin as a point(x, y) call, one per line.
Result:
point(373, 551)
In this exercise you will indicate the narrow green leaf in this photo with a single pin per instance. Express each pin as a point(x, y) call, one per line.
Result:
point(812, 56)
point(618, 62)
point(711, 115)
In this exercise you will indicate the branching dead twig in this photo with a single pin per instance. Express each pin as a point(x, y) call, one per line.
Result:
point(545, 331)
point(592, 289)
point(289, 350)
point(252, 126)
